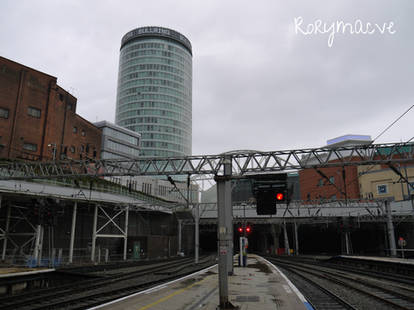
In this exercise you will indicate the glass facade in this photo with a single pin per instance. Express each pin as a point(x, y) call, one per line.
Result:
point(118, 142)
point(154, 95)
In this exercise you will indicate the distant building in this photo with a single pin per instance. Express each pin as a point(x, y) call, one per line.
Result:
point(333, 183)
point(382, 182)
point(118, 142)
point(154, 94)
point(122, 143)
point(38, 119)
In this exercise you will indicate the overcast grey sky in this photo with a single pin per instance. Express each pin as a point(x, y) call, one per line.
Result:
point(257, 84)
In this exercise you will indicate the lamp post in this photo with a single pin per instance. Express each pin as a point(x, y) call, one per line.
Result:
point(53, 145)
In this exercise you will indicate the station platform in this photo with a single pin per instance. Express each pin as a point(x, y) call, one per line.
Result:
point(260, 285)
point(7, 272)
point(407, 261)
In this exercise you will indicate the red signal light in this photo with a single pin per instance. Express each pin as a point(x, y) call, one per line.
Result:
point(248, 229)
point(279, 196)
point(240, 229)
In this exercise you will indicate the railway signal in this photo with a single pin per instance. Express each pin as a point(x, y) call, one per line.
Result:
point(269, 190)
point(244, 229)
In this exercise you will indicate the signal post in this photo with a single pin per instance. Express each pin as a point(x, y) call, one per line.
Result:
point(225, 233)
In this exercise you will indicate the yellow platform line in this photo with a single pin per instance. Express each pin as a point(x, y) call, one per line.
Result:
point(170, 296)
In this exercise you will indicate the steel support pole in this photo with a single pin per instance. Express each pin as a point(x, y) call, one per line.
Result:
point(390, 229)
point(6, 233)
point(347, 248)
point(37, 243)
point(224, 235)
point(42, 234)
point(197, 232)
point(95, 223)
point(229, 227)
point(285, 235)
point(179, 235)
point(126, 232)
point(72, 233)
point(296, 238)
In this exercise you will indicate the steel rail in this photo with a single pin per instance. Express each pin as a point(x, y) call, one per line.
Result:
point(379, 293)
point(99, 288)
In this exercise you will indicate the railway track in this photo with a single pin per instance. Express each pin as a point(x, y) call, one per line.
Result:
point(361, 291)
point(84, 294)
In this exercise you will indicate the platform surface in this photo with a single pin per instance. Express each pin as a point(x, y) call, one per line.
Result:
point(8, 272)
point(258, 286)
point(408, 261)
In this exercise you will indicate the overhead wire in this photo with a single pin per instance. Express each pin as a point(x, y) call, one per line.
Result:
point(389, 126)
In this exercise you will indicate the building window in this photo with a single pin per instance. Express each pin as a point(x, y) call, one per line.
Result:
point(61, 97)
point(34, 112)
point(411, 188)
point(75, 129)
point(4, 113)
point(382, 189)
point(332, 180)
point(30, 147)
point(72, 149)
point(69, 106)
point(83, 133)
point(320, 182)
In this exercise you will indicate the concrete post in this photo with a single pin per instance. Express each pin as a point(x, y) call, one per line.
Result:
point(6, 232)
point(126, 232)
point(106, 255)
point(95, 223)
point(72, 233)
point(390, 229)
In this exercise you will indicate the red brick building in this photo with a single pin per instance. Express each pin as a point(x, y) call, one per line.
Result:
point(38, 119)
point(334, 183)
point(314, 186)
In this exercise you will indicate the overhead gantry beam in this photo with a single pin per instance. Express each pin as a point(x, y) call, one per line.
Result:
point(243, 162)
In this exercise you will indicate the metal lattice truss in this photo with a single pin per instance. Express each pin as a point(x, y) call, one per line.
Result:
point(243, 162)
point(310, 212)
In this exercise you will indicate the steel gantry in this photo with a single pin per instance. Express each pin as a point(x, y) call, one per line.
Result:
point(242, 162)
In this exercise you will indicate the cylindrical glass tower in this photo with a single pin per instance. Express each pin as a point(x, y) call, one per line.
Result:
point(154, 95)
